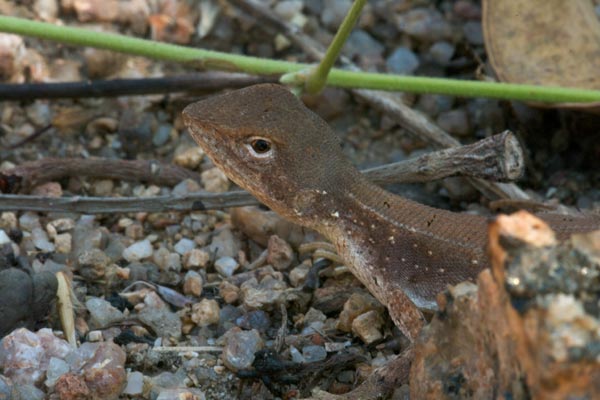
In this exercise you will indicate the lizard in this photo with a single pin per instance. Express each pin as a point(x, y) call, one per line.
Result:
point(405, 253)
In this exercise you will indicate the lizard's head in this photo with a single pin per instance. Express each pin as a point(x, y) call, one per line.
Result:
point(270, 144)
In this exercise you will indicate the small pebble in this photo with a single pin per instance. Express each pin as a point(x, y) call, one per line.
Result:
point(92, 264)
point(186, 187)
point(63, 243)
point(367, 326)
point(402, 61)
point(334, 12)
point(360, 43)
point(181, 393)
point(102, 313)
point(4, 238)
point(287, 9)
point(63, 224)
point(357, 304)
point(425, 24)
point(297, 357)
point(257, 319)
point(56, 368)
point(240, 348)
point(192, 284)
point(215, 180)
point(225, 244)
point(159, 316)
point(205, 313)
point(280, 254)
point(314, 353)
point(195, 258)
point(229, 292)
point(94, 336)
point(40, 240)
point(442, 52)
point(299, 273)
point(184, 245)
point(138, 251)
point(226, 266)
point(162, 136)
point(135, 384)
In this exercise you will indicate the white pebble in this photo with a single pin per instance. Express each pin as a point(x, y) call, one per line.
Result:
point(138, 251)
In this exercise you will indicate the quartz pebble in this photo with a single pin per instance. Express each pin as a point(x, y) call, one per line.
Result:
point(224, 244)
point(226, 266)
point(184, 245)
point(135, 384)
point(4, 238)
point(138, 251)
point(160, 317)
point(56, 368)
point(40, 240)
point(102, 313)
point(240, 348)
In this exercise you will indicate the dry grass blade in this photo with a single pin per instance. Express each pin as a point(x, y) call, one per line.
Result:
point(65, 307)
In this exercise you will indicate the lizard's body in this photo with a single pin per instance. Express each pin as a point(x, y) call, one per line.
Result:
point(403, 252)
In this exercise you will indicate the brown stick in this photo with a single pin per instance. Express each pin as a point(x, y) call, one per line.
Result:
point(494, 157)
point(498, 158)
point(51, 169)
point(103, 205)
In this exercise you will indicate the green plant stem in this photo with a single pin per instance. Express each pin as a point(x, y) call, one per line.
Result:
point(254, 65)
point(317, 79)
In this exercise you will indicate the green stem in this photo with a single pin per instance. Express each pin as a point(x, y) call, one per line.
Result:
point(255, 65)
point(317, 79)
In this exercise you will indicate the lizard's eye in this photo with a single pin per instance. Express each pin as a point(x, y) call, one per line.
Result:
point(259, 147)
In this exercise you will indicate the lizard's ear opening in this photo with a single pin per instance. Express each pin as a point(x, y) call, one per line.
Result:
point(260, 147)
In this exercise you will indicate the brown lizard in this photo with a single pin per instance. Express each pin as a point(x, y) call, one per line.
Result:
point(405, 253)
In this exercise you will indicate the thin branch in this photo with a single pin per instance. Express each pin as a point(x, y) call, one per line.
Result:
point(103, 205)
point(34, 173)
point(497, 157)
point(203, 81)
point(210, 59)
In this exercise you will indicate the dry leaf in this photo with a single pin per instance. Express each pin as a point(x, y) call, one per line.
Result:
point(544, 42)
